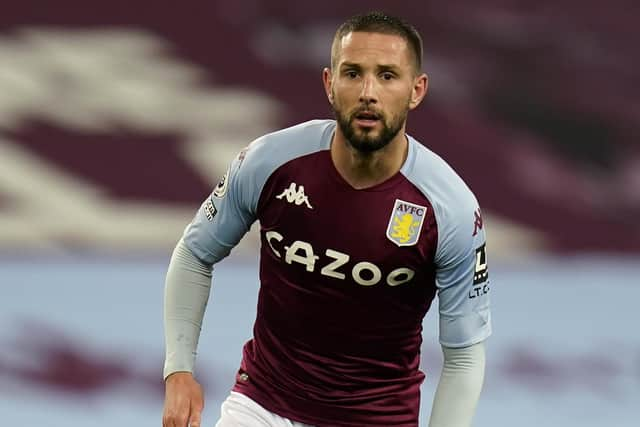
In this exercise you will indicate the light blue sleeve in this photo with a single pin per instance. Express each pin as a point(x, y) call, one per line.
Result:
point(462, 276)
point(227, 214)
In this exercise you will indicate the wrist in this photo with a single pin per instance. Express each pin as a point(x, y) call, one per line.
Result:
point(178, 376)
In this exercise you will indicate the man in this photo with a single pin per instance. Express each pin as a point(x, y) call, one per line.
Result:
point(361, 226)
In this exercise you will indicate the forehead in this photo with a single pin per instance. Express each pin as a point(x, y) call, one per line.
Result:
point(362, 47)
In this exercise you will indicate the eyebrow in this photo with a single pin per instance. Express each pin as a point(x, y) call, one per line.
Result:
point(380, 67)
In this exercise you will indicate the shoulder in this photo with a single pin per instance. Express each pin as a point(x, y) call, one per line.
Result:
point(454, 204)
point(262, 157)
point(293, 141)
point(437, 180)
point(268, 152)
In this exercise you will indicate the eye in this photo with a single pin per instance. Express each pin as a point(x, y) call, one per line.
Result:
point(351, 74)
point(387, 76)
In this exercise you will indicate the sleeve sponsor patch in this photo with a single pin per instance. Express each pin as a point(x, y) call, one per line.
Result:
point(210, 209)
point(481, 272)
point(221, 188)
point(480, 275)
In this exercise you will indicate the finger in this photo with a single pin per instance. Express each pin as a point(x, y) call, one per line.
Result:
point(176, 417)
point(179, 421)
point(174, 420)
point(167, 420)
point(195, 417)
point(168, 416)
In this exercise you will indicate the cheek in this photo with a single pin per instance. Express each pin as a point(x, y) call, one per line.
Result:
point(346, 92)
point(341, 99)
point(402, 102)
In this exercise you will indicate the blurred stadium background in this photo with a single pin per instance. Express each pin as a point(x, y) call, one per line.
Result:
point(117, 119)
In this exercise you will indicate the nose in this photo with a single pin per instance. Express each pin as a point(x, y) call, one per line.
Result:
point(368, 92)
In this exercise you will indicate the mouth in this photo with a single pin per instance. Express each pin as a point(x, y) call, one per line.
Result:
point(367, 118)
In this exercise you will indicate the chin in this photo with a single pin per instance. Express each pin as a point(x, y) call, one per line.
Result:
point(368, 133)
point(368, 144)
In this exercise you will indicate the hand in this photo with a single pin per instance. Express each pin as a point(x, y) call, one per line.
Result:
point(183, 401)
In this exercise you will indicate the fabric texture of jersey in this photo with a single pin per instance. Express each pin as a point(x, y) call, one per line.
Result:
point(347, 276)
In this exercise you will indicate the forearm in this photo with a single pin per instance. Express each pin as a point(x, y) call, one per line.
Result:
point(459, 387)
point(187, 288)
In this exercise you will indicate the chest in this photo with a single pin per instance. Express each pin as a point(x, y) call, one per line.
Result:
point(310, 217)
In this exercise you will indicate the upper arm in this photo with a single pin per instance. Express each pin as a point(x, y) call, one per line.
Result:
point(462, 277)
point(227, 214)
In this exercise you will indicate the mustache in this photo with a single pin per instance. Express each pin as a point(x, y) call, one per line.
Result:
point(367, 111)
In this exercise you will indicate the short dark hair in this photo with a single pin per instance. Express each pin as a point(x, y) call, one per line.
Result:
point(380, 22)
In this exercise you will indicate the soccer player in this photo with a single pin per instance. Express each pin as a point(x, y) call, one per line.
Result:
point(361, 226)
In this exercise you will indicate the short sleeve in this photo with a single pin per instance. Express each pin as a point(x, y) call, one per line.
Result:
point(226, 215)
point(462, 276)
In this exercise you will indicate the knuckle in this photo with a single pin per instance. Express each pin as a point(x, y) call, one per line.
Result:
point(173, 416)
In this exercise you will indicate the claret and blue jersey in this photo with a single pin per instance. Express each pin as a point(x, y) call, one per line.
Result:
point(347, 275)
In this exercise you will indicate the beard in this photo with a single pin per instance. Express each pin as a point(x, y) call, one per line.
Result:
point(367, 141)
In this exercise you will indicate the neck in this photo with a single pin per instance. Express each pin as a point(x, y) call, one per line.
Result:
point(364, 170)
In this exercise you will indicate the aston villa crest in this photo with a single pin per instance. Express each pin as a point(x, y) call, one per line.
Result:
point(405, 223)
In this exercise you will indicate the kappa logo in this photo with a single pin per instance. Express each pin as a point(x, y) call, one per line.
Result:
point(295, 194)
point(405, 223)
point(477, 222)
